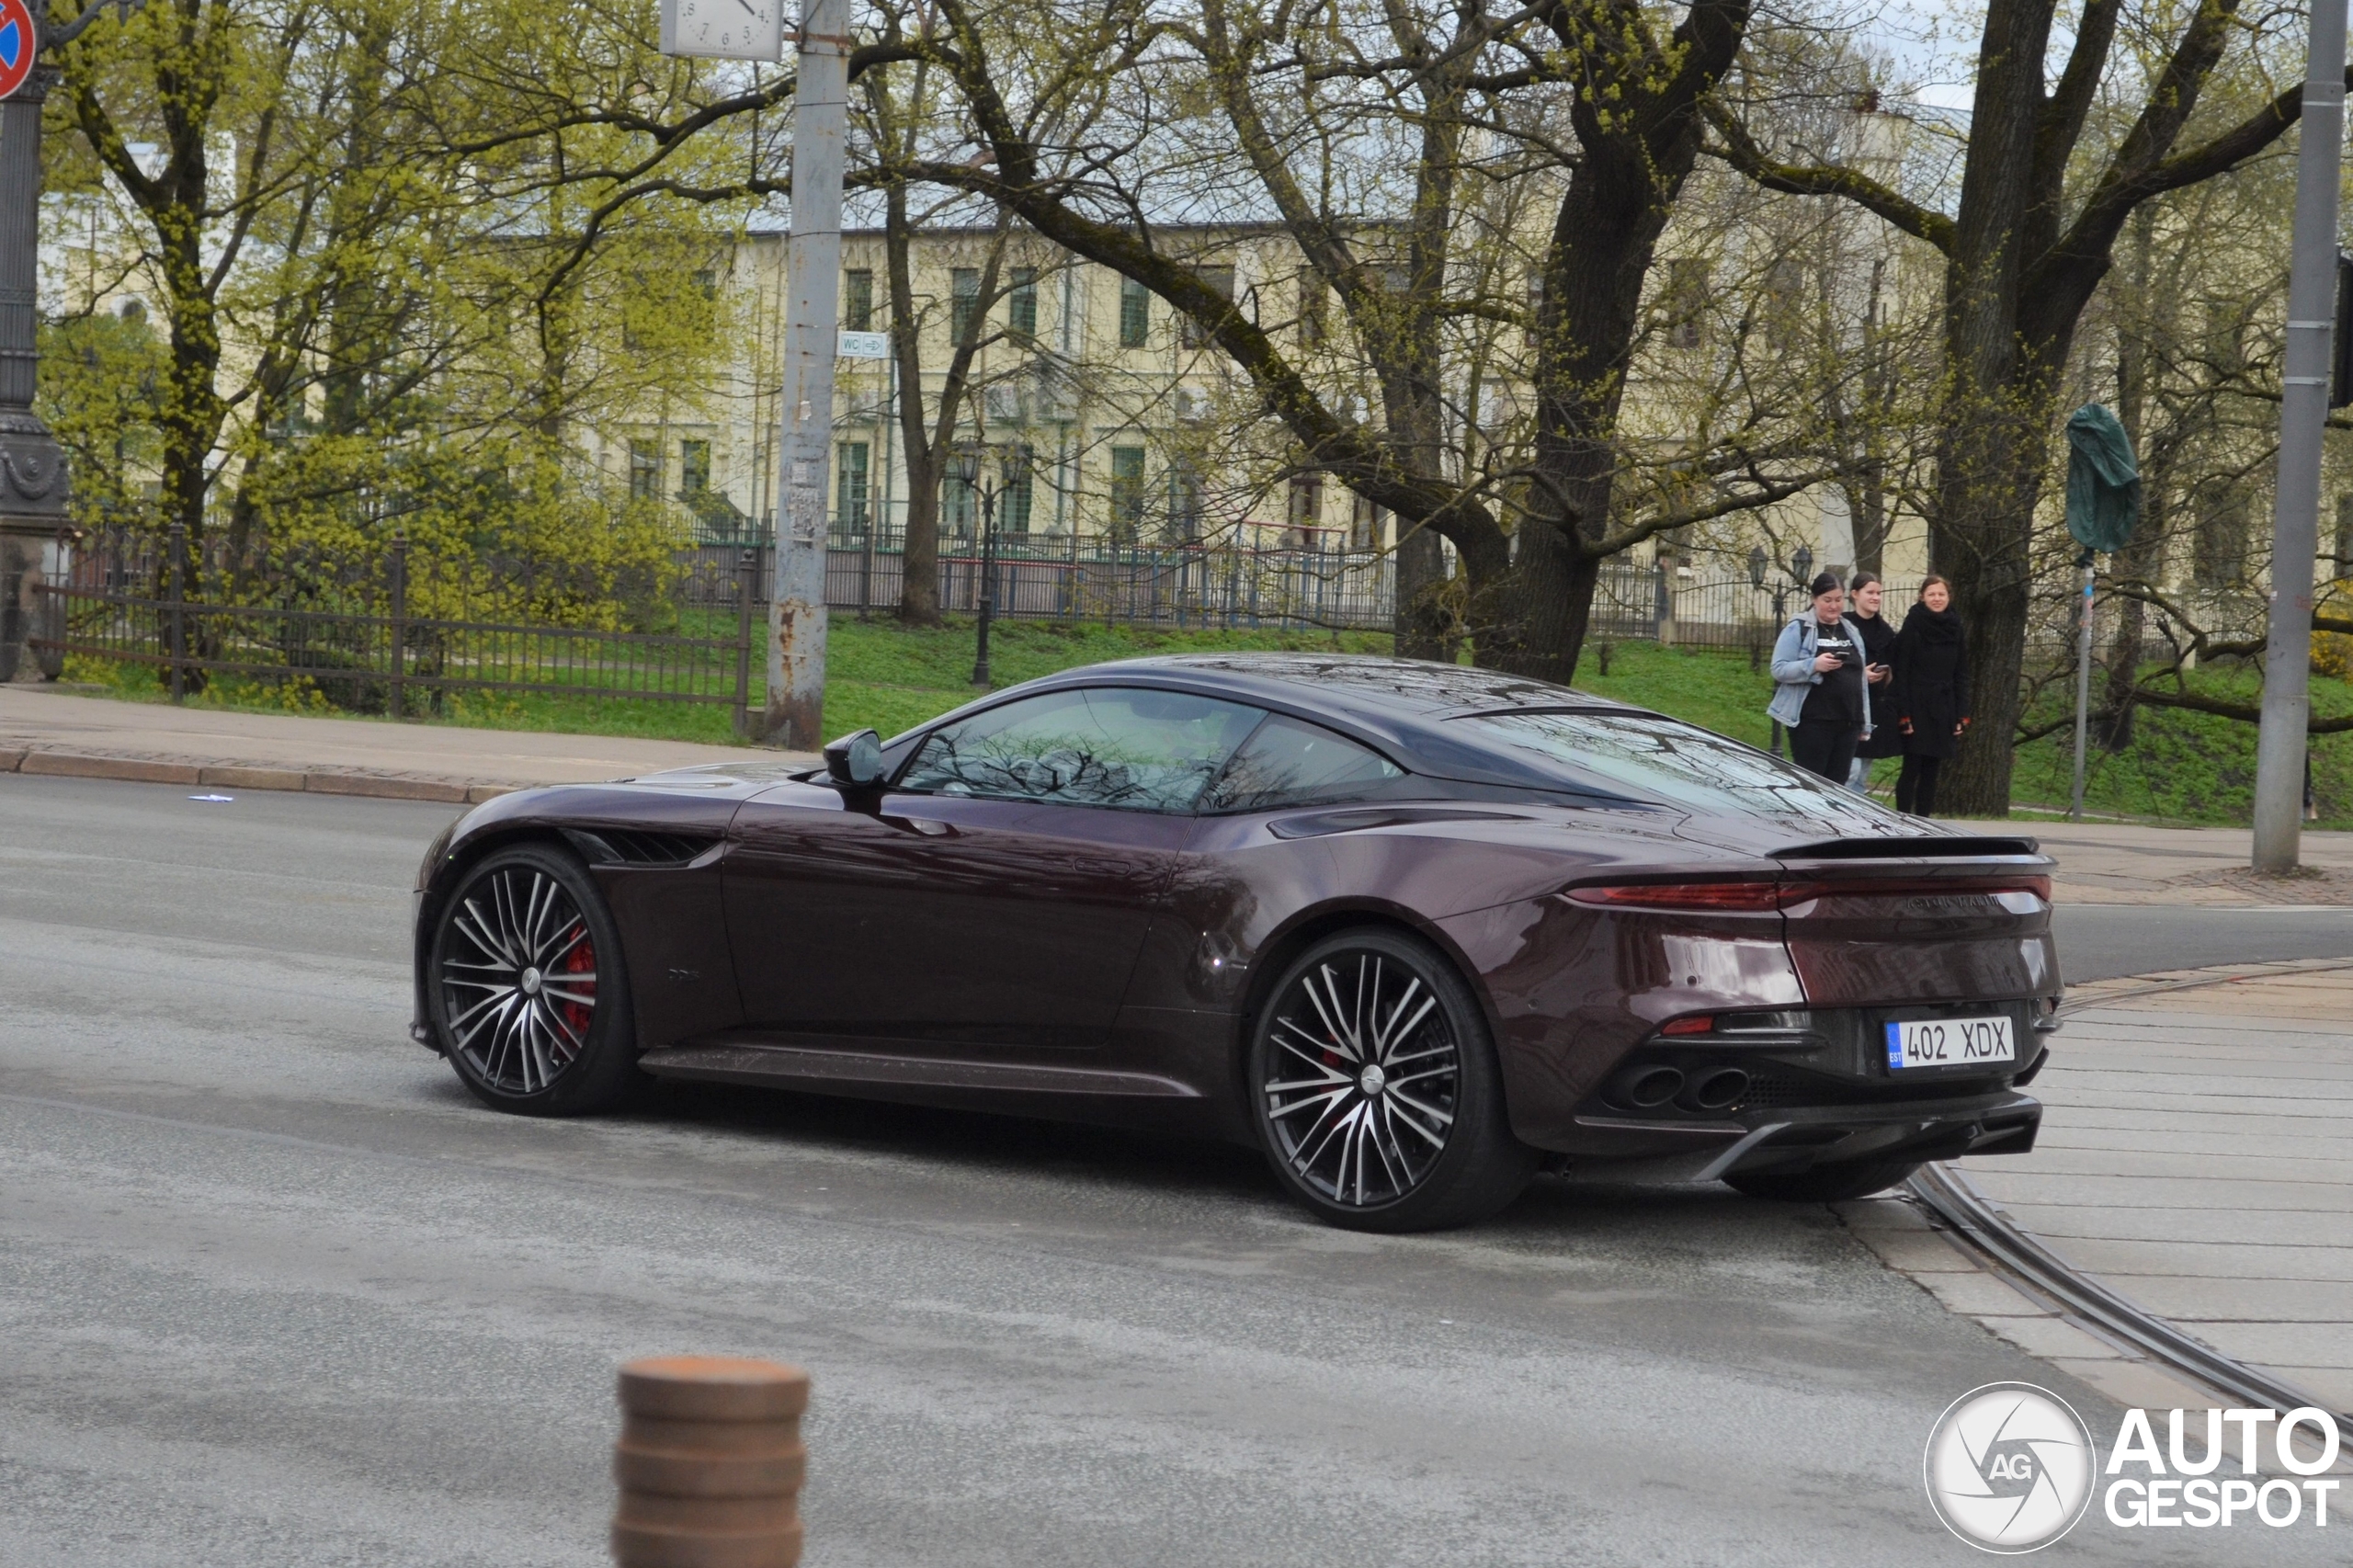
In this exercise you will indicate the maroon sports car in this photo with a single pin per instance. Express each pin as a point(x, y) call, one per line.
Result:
point(1414, 929)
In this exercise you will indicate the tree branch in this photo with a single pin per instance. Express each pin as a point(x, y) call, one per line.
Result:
point(1743, 153)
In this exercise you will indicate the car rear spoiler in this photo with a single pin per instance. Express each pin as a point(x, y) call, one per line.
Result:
point(1952, 847)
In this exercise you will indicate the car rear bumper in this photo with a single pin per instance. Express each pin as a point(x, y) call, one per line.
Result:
point(1796, 1138)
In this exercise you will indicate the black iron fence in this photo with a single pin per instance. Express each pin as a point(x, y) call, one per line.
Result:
point(363, 650)
point(396, 636)
point(1067, 579)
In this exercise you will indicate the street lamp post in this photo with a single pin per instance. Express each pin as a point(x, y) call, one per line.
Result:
point(32, 466)
point(33, 517)
point(968, 470)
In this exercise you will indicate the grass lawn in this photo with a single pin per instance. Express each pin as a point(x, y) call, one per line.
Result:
point(2181, 767)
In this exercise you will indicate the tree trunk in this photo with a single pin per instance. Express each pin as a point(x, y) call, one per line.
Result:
point(919, 557)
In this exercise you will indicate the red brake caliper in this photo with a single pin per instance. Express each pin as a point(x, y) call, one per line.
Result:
point(582, 960)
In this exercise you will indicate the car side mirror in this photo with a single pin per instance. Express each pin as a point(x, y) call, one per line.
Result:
point(855, 762)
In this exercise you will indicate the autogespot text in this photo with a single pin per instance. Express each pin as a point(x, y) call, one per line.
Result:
point(2146, 1485)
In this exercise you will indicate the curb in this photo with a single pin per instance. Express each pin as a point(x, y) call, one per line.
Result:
point(45, 761)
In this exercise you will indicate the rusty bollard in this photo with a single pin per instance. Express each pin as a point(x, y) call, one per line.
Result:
point(709, 1463)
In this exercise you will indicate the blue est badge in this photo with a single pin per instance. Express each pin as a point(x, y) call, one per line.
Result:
point(1895, 1045)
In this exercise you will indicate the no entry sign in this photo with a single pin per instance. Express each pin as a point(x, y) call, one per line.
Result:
point(19, 37)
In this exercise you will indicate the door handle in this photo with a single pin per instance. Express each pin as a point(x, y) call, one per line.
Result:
point(922, 825)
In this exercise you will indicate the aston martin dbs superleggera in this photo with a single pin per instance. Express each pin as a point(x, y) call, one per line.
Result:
point(1411, 928)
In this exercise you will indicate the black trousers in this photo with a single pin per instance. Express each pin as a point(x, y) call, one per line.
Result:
point(1828, 749)
point(1916, 787)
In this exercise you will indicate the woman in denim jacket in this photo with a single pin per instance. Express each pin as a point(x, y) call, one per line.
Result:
point(1821, 695)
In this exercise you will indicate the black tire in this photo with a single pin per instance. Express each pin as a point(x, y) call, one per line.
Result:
point(1824, 1184)
point(528, 997)
point(1344, 1137)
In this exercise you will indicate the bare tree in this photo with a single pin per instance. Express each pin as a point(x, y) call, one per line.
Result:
point(2053, 170)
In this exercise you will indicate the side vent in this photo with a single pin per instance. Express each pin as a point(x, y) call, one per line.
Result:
point(639, 846)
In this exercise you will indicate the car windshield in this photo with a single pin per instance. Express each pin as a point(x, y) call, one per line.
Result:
point(1663, 760)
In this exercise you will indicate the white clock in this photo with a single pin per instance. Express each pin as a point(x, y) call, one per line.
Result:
point(724, 30)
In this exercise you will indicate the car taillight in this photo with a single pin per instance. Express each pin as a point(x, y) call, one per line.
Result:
point(1913, 887)
point(1702, 1024)
point(1761, 897)
point(1721, 897)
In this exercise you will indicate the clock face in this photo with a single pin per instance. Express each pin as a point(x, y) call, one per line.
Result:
point(724, 30)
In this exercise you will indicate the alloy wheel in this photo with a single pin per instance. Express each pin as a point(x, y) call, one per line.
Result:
point(518, 979)
point(1363, 1078)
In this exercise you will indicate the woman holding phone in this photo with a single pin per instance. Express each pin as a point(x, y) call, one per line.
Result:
point(1820, 694)
point(1865, 593)
point(1929, 696)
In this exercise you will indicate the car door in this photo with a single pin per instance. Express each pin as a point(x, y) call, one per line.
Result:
point(995, 897)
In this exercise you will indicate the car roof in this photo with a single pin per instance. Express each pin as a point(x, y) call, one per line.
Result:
point(1401, 706)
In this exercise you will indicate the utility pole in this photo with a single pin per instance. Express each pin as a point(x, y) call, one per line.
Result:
point(796, 699)
point(2303, 410)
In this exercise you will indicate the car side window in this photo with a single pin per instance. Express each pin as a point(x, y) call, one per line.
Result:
point(1127, 747)
point(1286, 762)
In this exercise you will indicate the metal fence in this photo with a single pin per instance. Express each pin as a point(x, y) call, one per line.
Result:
point(352, 628)
point(369, 655)
point(1067, 579)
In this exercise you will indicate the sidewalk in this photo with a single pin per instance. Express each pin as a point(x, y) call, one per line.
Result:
point(2124, 863)
point(44, 731)
point(2195, 1158)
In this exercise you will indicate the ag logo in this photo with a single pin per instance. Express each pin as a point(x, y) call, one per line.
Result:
point(2009, 1467)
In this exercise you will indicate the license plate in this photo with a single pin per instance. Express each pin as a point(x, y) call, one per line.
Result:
point(1949, 1042)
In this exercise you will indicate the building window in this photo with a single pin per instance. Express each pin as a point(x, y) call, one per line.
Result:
point(1306, 508)
point(1127, 493)
point(1184, 505)
point(1135, 313)
point(1191, 334)
point(857, 298)
point(2219, 544)
point(964, 301)
point(1366, 524)
point(1021, 304)
point(694, 467)
point(1021, 490)
point(645, 469)
point(1685, 304)
point(959, 507)
point(850, 487)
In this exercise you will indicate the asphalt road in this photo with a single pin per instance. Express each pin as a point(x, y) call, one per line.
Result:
point(273, 1290)
point(2098, 941)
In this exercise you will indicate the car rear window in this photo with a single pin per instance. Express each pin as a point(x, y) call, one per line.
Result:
point(1286, 762)
point(1663, 760)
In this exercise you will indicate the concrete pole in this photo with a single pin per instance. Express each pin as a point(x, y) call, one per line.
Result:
point(32, 466)
point(796, 698)
point(2303, 410)
point(2083, 688)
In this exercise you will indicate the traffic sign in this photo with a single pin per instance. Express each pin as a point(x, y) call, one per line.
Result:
point(19, 39)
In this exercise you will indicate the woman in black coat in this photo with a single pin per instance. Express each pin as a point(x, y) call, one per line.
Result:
point(1930, 699)
point(1878, 661)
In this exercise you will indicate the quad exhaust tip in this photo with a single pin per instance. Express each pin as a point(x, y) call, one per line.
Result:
point(1646, 1087)
point(1719, 1090)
